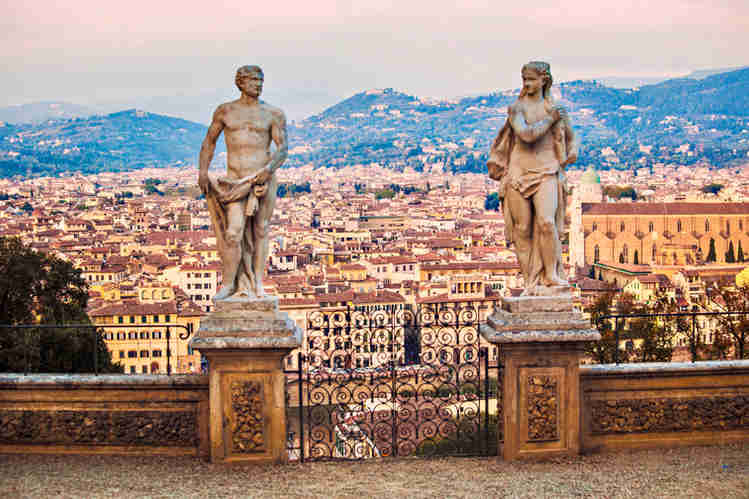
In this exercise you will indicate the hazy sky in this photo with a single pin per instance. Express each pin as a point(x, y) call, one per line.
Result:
point(315, 52)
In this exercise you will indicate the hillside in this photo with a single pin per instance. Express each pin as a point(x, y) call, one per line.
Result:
point(37, 112)
point(681, 121)
point(119, 141)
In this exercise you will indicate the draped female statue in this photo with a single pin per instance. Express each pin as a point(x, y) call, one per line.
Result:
point(528, 159)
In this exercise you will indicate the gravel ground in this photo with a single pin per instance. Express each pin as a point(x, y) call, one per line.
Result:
point(697, 472)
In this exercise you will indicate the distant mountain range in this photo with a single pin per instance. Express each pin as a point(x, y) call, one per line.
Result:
point(683, 121)
point(703, 119)
point(115, 142)
point(38, 112)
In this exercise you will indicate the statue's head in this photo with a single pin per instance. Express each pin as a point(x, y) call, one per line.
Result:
point(249, 80)
point(541, 70)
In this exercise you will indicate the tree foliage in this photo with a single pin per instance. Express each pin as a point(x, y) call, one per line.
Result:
point(287, 189)
point(385, 194)
point(711, 256)
point(492, 202)
point(620, 191)
point(712, 188)
point(732, 328)
point(36, 288)
point(730, 255)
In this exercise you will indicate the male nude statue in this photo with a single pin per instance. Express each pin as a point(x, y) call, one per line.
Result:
point(241, 203)
point(528, 158)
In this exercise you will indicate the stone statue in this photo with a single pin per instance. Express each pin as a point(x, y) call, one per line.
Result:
point(528, 159)
point(241, 203)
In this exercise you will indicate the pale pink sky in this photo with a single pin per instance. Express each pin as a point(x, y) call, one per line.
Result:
point(90, 51)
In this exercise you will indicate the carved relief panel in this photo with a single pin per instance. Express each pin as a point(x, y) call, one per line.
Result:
point(246, 423)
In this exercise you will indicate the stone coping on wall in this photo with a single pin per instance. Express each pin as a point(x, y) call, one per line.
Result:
point(664, 368)
point(87, 381)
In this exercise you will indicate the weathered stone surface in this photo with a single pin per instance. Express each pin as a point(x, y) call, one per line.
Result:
point(234, 343)
point(663, 367)
point(243, 327)
point(528, 325)
point(263, 305)
point(146, 428)
point(543, 408)
point(501, 320)
point(537, 336)
point(87, 381)
point(519, 304)
point(247, 324)
point(669, 415)
point(248, 424)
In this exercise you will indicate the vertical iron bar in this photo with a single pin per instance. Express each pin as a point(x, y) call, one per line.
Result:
point(393, 414)
point(168, 353)
point(301, 406)
point(96, 352)
point(693, 344)
point(26, 352)
point(486, 401)
point(616, 340)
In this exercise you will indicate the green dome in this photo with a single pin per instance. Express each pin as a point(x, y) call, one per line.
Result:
point(590, 177)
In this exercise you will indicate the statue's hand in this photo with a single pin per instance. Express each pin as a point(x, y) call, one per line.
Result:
point(559, 113)
point(204, 182)
point(263, 176)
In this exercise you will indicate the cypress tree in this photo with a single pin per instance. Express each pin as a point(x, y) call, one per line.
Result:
point(730, 255)
point(711, 251)
point(637, 258)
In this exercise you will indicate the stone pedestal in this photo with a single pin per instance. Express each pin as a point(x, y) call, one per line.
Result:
point(245, 341)
point(541, 340)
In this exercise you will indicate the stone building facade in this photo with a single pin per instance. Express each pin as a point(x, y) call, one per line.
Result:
point(678, 233)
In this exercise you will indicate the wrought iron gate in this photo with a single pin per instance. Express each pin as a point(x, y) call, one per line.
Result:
point(392, 382)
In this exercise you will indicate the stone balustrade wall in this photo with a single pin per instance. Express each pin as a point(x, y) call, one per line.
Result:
point(106, 414)
point(664, 404)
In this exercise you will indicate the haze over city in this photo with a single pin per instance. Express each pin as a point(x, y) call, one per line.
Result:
point(178, 58)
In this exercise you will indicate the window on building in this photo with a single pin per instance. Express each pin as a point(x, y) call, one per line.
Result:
point(132, 369)
point(654, 254)
point(707, 225)
point(621, 227)
point(144, 353)
point(122, 354)
point(132, 354)
point(144, 335)
point(156, 353)
point(132, 319)
point(156, 335)
point(143, 319)
point(678, 226)
point(132, 335)
point(595, 227)
point(650, 227)
point(120, 319)
point(144, 369)
point(596, 254)
point(167, 318)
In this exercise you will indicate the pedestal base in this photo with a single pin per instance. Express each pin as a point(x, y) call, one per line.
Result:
point(245, 342)
point(541, 342)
